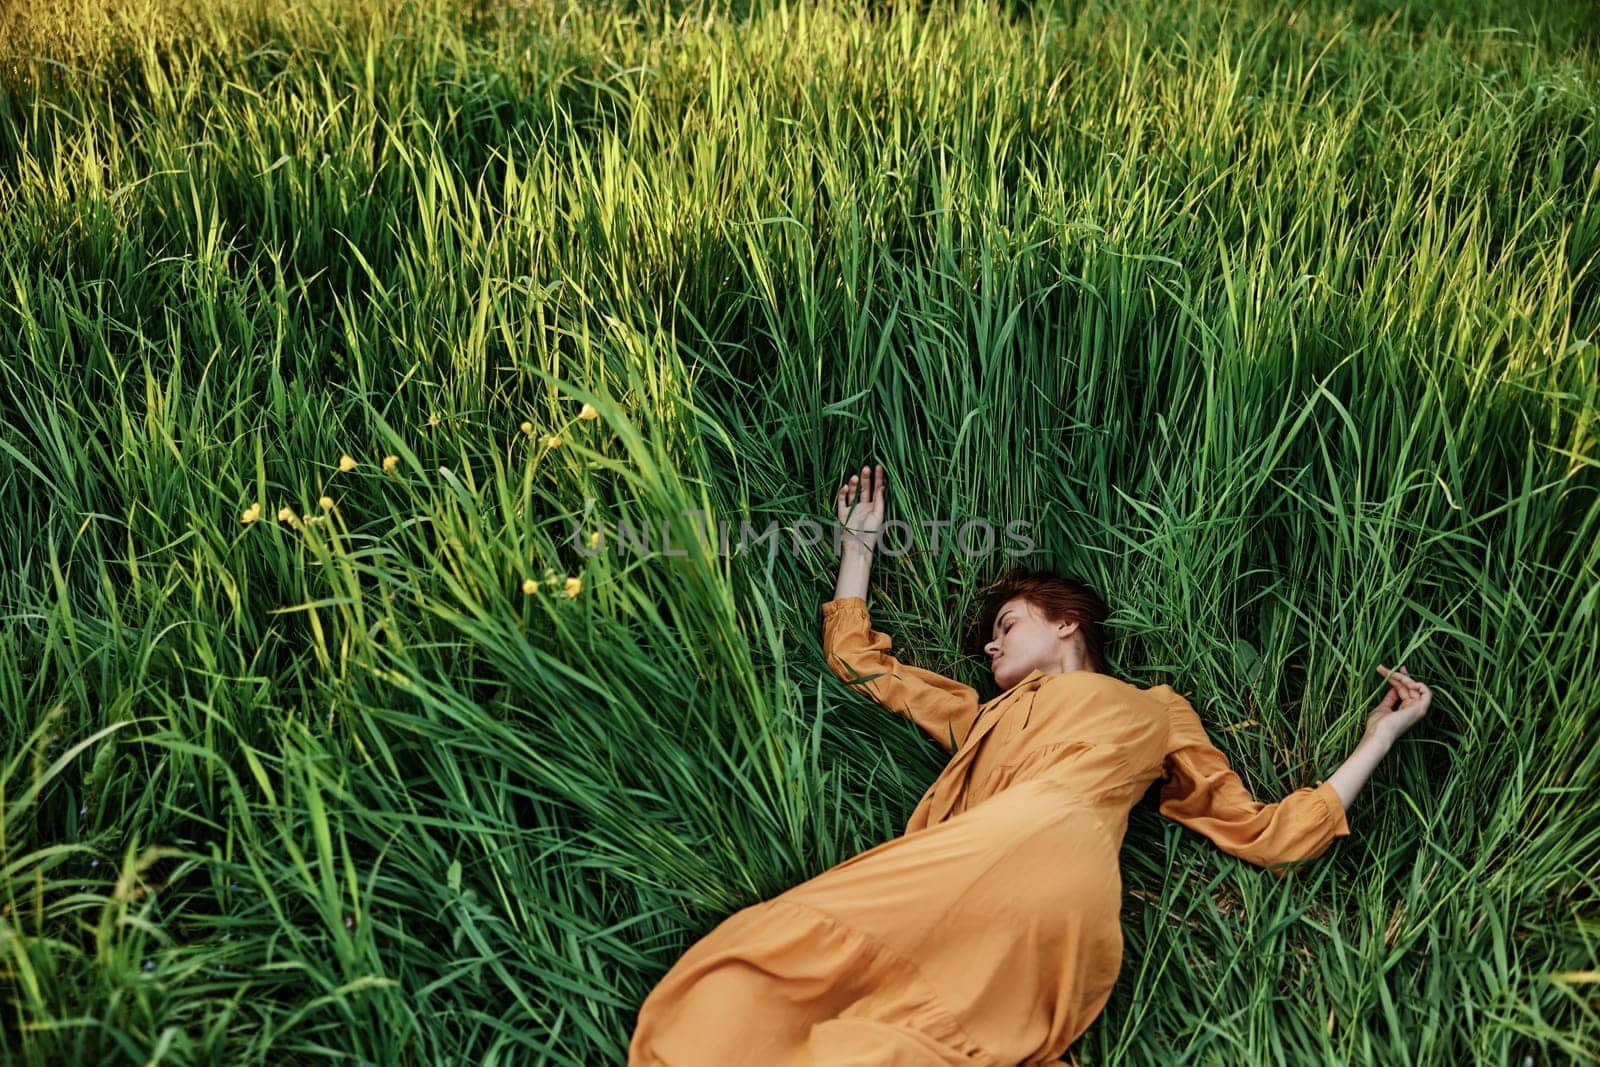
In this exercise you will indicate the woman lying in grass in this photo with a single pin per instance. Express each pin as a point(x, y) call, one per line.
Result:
point(989, 933)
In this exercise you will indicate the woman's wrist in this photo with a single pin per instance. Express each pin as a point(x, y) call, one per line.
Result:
point(1377, 741)
point(855, 568)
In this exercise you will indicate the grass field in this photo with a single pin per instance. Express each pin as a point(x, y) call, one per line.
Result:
point(1277, 323)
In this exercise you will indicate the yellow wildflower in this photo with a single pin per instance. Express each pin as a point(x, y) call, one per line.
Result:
point(251, 514)
point(325, 503)
point(594, 539)
point(553, 441)
point(529, 586)
point(527, 428)
point(347, 463)
point(588, 413)
point(286, 514)
point(390, 464)
point(574, 586)
point(433, 420)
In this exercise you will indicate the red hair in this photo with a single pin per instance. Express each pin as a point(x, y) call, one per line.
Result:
point(1058, 599)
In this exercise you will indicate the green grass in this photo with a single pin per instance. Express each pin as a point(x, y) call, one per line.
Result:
point(1278, 324)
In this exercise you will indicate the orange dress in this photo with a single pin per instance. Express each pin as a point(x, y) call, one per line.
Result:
point(989, 933)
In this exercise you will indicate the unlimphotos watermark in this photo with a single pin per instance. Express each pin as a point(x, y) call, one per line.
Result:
point(972, 538)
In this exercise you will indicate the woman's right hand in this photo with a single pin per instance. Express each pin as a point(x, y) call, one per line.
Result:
point(861, 508)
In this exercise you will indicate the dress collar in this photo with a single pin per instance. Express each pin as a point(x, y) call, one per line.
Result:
point(1029, 681)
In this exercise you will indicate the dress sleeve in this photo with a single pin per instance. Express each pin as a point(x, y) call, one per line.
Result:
point(859, 656)
point(1203, 793)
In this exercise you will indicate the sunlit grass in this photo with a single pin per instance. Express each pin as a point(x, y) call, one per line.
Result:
point(342, 720)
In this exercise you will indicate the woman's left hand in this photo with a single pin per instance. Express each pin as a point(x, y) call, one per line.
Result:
point(1401, 708)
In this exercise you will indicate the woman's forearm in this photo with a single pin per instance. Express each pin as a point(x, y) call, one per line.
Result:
point(855, 567)
point(1355, 770)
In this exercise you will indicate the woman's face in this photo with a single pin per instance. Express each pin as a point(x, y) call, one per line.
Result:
point(1024, 641)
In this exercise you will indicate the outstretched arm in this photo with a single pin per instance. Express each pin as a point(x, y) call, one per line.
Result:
point(1203, 793)
point(859, 655)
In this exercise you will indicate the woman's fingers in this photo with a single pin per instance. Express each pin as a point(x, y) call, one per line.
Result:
point(871, 485)
point(1413, 687)
point(872, 481)
point(1397, 675)
point(847, 499)
point(1402, 683)
point(1400, 672)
